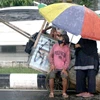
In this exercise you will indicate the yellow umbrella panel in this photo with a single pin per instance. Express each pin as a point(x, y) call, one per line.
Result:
point(50, 12)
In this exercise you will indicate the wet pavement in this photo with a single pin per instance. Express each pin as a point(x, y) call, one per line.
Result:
point(7, 94)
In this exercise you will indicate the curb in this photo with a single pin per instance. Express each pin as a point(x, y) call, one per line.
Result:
point(22, 81)
point(4, 80)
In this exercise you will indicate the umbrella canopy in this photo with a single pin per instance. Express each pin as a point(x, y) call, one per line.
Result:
point(76, 19)
point(50, 12)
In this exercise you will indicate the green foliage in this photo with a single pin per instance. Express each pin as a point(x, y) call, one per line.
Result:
point(4, 2)
point(8, 3)
point(17, 70)
point(56, 1)
point(48, 1)
point(87, 3)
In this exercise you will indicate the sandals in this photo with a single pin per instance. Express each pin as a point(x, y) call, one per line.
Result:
point(64, 95)
point(81, 94)
point(88, 95)
point(51, 95)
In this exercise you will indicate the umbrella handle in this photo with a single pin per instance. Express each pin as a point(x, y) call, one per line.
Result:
point(71, 40)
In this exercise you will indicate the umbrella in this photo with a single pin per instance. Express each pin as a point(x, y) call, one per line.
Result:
point(50, 12)
point(76, 19)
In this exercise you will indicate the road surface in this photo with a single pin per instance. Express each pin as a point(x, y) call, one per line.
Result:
point(17, 94)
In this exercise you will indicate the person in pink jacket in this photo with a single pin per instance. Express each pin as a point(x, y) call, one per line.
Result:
point(59, 58)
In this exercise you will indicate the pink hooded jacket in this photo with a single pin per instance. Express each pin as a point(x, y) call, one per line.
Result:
point(60, 56)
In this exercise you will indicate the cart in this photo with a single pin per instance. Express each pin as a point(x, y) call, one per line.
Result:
point(39, 53)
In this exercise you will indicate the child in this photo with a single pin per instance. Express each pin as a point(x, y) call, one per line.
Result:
point(59, 58)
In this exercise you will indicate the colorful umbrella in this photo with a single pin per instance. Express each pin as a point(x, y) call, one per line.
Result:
point(50, 12)
point(78, 20)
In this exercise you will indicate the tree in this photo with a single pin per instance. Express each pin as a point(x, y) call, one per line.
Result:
point(87, 3)
point(8, 3)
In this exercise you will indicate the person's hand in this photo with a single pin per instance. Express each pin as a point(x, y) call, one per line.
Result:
point(52, 68)
point(64, 72)
point(43, 31)
point(77, 45)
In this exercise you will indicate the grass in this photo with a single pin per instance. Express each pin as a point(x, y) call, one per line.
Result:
point(4, 70)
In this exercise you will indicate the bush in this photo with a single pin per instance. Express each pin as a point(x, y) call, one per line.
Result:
point(9, 3)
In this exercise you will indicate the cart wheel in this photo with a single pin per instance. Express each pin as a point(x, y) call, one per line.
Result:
point(57, 84)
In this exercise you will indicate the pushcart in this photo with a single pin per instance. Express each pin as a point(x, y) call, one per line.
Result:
point(39, 53)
